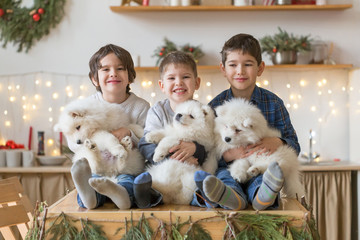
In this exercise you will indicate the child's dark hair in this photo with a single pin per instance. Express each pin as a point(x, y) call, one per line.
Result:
point(178, 57)
point(243, 42)
point(121, 53)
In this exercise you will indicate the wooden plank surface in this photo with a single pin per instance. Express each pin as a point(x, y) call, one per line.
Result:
point(112, 218)
point(228, 8)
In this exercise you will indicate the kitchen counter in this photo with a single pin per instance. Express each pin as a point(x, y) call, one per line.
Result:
point(37, 169)
point(331, 166)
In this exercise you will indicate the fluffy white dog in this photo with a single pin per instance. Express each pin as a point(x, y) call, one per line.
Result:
point(239, 123)
point(193, 121)
point(89, 123)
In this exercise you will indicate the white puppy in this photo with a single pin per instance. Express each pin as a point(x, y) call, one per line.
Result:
point(239, 123)
point(193, 121)
point(89, 123)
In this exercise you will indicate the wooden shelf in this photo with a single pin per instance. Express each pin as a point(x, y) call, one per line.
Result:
point(228, 8)
point(269, 67)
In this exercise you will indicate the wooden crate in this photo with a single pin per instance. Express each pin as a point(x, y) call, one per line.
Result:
point(112, 218)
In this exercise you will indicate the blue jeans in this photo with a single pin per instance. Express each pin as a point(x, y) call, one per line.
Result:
point(125, 180)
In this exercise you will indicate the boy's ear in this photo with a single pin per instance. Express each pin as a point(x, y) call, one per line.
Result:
point(197, 83)
point(222, 68)
point(161, 85)
point(261, 68)
point(96, 84)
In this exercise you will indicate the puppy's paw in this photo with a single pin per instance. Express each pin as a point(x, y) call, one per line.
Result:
point(153, 137)
point(127, 143)
point(240, 175)
point(89, 144)
point(159, 155)
point(119, 152)
point(253, 171)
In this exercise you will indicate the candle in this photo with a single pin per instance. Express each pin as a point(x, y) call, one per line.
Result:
point(30, 137)
point(61, 137)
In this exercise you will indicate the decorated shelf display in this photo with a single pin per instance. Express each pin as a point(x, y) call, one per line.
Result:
point(23, 26)
point(170, 46)
point(283, 47)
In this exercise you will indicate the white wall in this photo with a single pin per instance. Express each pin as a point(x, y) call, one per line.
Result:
point(62, 58)
point(89, 24)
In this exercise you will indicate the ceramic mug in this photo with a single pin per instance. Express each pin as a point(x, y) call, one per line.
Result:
point(13, 158)
point(241, 2)
point(28, 158)
point(174, 2)
point(2, 158)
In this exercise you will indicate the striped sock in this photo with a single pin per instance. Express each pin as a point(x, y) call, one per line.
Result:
point(224, 195)
point(271, 185)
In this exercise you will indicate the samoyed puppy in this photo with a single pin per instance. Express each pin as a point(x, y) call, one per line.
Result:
point(89, 123)
point(239, 123)
point(192, 121)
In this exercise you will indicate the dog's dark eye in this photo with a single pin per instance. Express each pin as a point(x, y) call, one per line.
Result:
point(78, 127)
point(237, 130)
point(191, 116)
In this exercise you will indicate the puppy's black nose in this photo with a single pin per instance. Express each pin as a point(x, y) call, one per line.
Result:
point(178, 117)
point(227, 139)
point(78, 141)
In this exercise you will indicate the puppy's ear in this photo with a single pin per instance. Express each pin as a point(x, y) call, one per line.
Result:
point(75, 114)
point(206, 109)
point(220, 111)
point(247, 123)
point(57, 128)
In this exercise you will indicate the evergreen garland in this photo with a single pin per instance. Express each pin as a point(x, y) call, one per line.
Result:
point(238, 226)
point(24, 26)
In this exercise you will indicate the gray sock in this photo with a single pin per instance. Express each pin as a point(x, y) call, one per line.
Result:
point(271, 185)
point(224, 195)
point(117, 193)
point(81, 173)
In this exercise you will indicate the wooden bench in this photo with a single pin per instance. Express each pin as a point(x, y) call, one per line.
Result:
point(15, 209)
point(111, 218)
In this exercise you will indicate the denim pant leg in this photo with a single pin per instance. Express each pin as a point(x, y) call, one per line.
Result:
point(100, 199)
point(253, 185)
point(127, 181)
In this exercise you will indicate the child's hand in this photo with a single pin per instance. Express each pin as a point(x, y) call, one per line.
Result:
point(267, 145)
point(192, 161)
point(183, 151)
point(121, 133)
point(235, 153)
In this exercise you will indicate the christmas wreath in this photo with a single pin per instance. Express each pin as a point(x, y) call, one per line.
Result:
point(23, 26)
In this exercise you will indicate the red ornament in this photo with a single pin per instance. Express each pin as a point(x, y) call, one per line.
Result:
point(2, 12)
point(161, 53)
point(191, 49)
point(36, 17)
point(274, 50)
point(41, 11)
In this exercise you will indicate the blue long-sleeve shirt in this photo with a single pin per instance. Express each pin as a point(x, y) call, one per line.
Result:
point(273, 109)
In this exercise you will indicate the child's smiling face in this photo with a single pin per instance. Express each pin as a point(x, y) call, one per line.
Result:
point(241, 71)
point(179, 83)
point(113, 76)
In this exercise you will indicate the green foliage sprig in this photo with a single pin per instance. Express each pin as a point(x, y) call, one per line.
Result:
point(24, 26)
point(283, 41)
point(169, 46)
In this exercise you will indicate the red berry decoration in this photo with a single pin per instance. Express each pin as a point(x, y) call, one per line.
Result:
point(274, 50)
point(36, 17)
point(41, 11)
point(2, 12)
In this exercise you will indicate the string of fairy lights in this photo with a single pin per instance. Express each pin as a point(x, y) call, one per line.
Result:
point(36, 99)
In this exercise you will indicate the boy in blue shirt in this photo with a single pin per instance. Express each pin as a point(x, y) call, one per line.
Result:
point(241, 65)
